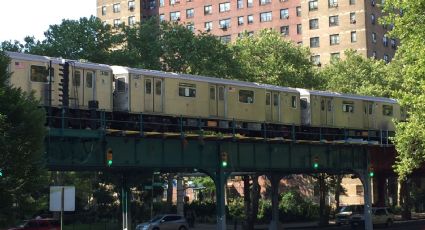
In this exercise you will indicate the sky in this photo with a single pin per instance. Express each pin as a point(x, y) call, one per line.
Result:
point(19, 19)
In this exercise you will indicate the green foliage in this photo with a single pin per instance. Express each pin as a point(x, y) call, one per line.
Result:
point(356, 74)
point(409, 67)
point(267, 58)
point(21, 144)
point(236, 208)
point(294, 207)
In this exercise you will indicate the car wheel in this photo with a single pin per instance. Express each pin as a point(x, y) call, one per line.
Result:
point(389, 223)
point(182, 228)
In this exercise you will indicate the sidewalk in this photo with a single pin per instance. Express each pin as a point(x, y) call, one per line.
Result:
point(301, 225)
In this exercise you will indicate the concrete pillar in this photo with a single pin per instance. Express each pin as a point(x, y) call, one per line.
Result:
point(180, 196)
point(364, 177)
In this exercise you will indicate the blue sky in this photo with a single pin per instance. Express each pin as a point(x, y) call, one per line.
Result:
point(33, 17)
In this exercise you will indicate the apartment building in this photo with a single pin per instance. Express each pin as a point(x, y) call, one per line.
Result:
point(328, 27)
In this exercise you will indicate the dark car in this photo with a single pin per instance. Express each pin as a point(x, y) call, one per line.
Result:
point(165, 222)
point(345, 213)
point(39, 224)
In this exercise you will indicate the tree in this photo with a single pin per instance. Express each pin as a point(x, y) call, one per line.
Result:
point(409, 66)
point(267, 58)
point(357, 75)
point(21, 143)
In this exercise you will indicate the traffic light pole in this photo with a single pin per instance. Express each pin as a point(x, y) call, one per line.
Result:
point(364, 177)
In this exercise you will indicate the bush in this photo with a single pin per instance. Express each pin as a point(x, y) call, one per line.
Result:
point(294, 207)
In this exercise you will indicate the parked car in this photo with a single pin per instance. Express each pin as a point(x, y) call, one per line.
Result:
point(39, 224)
point(345, 213)
point(165, 222)
point(380, 216)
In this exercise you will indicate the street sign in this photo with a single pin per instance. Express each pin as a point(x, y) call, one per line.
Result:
point(56, 197)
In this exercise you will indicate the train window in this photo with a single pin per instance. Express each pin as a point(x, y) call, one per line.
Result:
point(348, 106)
point(76, 80)
point(370, 108)
point(221, 93)
point(387, 110)
point(39, 73)
point(246, 96)
point(294, 102)
point(268, 97)
point(304, 103)
point(158, 87)
point(89, 80)
point(322, 105)
point(275, 99)
point(148, 86)
point(212, 93)
point(121, 84)
point(104, 73)
point(187, 90)
point(329, 105)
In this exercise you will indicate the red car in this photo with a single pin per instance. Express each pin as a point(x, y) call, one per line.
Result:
point(39, 224)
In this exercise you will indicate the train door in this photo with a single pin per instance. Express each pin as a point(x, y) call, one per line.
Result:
point(153, 94)
point(268, 106)
point(272, 106)
point(326, 111)
point(76, 89)
point(217, 103)
point(121, 94)
point(89, 87)
point(368, 118)
point(305, 111)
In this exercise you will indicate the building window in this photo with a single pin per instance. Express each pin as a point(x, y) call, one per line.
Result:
point(312, 5)
point(352, 18)
point(385, 41)
point(372, 2)
point(393, 44)
point(299, 29)
point(249, 3)
point(333, 20)
point(161, 17)
point(372, 19)
point(284, 30)
point(264, 2)
point(208, 9)
point(335, 56)
point(131, 5)
point(190, 13)
point(334, 39)
point(208, 26)
point(315, 59)
point(187, 90)
point(103, 10)
point(333, 3)
point(240, 4)
point(314, 42)
point(352, 2)
point(175, 16)
point(131, 20)
point(224, 7)
point(298, 10)
point(387, 110)
point(225, 23)
point(161, 3)
point(225, 39)
point(246, 96)
point(173, 2)
point(190, 27)
point(359, 190)
point(386, 59)
point(348, 106)
point(240, 20)
point(284, 14)
point(117, 22)
point(353, 36)
point(250, 19)
point(314, 23)
point(116, 8)
point(373, 37)
point(374, 54)
point(266, 17)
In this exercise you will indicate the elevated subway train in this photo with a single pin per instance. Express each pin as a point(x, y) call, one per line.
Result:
point(125, 93)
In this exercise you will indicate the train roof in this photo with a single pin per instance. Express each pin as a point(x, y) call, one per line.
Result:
point(305, 92)
point(32, 57)
point(125, 70)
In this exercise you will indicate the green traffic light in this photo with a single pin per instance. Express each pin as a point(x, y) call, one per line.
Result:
point(224, 163)
point(316, 165)
point(1, 172)
point(109, 162)
point(371, 174)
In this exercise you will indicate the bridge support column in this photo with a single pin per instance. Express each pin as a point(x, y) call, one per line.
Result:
point(180, 196)
point(364, 177)
point(274, 223)
point(220, 180)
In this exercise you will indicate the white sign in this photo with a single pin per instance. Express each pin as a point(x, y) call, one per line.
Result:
point(56, 198)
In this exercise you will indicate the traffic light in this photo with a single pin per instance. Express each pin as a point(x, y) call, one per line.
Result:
point(64, 84)
point(224, 159)
point(371, 171)
point(1, 172)
point(109, 157)
point(316, 162)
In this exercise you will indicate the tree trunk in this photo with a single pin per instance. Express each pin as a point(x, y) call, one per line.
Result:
point(338, 190)
point(247, 201)
point(405, 201)
point(170, 192)
point(255, 200)
point(323, 210)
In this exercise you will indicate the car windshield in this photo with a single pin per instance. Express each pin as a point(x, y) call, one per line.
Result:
point(346, 209)
point(156, 218)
